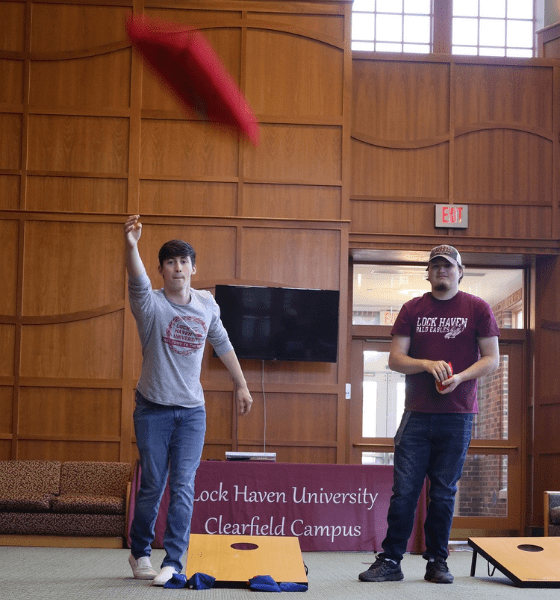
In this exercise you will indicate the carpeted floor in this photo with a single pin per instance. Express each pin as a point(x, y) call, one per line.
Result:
point(91, 574)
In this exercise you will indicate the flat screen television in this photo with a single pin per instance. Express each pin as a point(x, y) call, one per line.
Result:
point(276, 323)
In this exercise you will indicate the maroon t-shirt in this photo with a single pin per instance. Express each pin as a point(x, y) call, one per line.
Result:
point(444, 330)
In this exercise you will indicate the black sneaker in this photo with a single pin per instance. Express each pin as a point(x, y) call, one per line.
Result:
point(382, 570)
point(437, 572)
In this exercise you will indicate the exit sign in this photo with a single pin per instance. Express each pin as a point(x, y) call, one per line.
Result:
point(452, 215)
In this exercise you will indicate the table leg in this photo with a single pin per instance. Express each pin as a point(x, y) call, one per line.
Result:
point(473, 563)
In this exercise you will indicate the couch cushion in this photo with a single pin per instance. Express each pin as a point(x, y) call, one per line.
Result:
point(21, 477)
point(107, 505)
point(25, 502)
point(61, 524)
point(94, 479)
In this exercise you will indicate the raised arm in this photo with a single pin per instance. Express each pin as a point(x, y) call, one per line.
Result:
point(132, 232)
point(242, 394)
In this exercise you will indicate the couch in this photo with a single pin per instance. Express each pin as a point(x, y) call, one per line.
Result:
point(52, 498)
point(552, 513)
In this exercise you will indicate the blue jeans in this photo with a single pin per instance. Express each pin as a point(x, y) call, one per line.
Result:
point(170, 441)
point(433, 445)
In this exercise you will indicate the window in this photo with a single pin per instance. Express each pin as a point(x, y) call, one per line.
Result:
point(478, 27)
point(493, 27)
point(392, 25)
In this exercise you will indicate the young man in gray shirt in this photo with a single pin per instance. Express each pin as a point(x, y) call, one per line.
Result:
point(170, 418)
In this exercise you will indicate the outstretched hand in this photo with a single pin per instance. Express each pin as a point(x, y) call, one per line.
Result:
point(132, 230)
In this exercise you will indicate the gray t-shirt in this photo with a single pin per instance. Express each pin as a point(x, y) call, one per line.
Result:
point(173, 338)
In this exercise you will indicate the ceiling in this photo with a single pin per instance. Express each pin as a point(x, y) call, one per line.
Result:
point(388, 287)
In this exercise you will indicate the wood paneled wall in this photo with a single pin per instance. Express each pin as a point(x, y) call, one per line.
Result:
point(88, 135)
point(452, 130)
point(355, 151)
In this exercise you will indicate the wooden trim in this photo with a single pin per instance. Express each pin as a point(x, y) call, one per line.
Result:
point(66, 317)
point(400, 145)
point(556, 154)
point(60, 541)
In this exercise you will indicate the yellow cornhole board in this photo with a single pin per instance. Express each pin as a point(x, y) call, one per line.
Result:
point(527, 561)
point(238, 558)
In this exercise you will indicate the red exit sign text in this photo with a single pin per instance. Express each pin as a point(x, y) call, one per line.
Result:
point(452, 215)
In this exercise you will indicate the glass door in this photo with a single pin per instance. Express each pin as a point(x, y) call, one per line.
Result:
point(489, 499)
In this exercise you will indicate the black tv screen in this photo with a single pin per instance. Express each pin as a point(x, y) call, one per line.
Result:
point(273, 323)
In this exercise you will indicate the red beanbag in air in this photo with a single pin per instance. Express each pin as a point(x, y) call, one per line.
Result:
point(182, 57)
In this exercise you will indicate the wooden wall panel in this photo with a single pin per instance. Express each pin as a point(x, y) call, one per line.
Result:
point(513, 222)
point(11, 75)
point(70, 27)
point(6, 401)
point(196, 16)
point(298, 454)
point(315, 422)
point(7, 349)
point(218, 415)
point(71, 267)
point(9, 233)
point(549, 467)
point(503, 94)
point(416, 173)
point(454, 130)
point(400, 101)
point(215, 451)
point(296, 154)
point(487, 168)
point(188, 197)
point(68, 450)
point(89, 349)
point(76, 194)
point(316, 376)
point(292, 201)
point(293, 75)
point(187, 150)
point(331, 26)
point(78, 144)
point(69, 413)
point(76, 82)
point(89, 136)
point(5, 449)
point(9, 192)
point(407, 218)
point(10, 141)
point(544, 445)
point(12, 37)
point(304, 255)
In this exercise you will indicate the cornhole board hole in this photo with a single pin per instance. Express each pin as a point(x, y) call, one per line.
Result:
point(234, 559)
point(531, 562)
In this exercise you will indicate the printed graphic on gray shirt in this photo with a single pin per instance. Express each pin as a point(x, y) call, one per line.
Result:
point(185, 335)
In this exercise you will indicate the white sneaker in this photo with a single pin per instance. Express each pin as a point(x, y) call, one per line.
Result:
point(141, 568)
point(164, 576)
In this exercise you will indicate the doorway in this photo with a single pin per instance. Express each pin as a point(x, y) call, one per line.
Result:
point(489, 500)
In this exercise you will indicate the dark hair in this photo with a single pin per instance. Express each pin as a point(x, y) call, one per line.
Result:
point(174, 248)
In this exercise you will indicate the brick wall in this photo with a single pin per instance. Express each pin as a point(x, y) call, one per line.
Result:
point(483, 486)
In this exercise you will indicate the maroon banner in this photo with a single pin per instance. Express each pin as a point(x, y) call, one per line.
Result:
point(328, 507)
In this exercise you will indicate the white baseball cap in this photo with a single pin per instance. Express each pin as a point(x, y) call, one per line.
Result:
point(448, 252)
